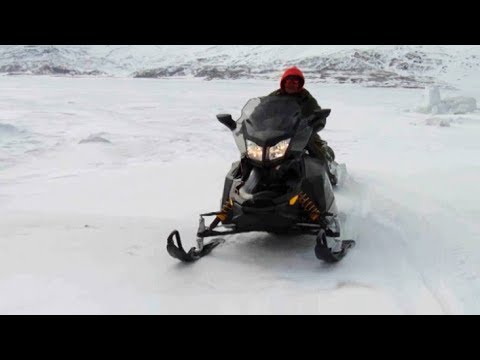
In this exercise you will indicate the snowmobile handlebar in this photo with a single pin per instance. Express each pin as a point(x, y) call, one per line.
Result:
point(319, 119)
point(226, 119)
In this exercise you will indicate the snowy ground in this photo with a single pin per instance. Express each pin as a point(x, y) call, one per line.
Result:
point(83, 226)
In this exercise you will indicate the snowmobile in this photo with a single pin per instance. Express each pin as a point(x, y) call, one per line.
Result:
point(276, 186)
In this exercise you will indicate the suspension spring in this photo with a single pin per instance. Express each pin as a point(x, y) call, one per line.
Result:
point(309, 206)
point(227, 207)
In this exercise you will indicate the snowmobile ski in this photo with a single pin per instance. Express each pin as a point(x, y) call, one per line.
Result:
point(177, 251)
point(333, 252)
point(194, 253)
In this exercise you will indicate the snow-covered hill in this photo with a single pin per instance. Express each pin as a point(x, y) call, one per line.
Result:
point(369, 65)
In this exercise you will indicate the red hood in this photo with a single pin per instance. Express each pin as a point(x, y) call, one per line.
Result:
point(292, 71)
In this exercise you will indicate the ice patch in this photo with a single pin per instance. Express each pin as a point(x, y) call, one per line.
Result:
point(442, 122)
point(7, 129)
point(447, 121)
point(460, 104)
point(454, 105)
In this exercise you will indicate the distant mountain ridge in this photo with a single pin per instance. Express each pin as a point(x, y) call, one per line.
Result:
point(385, 66)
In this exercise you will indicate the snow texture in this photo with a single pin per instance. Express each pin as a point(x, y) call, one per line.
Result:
point(83, 226)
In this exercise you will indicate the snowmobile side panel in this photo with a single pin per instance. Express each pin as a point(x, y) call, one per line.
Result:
point(317, 185)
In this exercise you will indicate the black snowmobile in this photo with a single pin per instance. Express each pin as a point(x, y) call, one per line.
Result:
point(276, 186)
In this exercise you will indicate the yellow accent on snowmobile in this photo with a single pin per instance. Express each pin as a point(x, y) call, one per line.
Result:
point(293, 200)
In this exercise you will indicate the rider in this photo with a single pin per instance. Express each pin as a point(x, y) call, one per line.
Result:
point(291, 85)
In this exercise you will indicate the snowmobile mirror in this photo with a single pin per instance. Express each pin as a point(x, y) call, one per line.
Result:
point(322, 114)
point(318, 117)
point(226, 119)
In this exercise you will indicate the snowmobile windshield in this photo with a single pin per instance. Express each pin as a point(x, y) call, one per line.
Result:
point(270, 119)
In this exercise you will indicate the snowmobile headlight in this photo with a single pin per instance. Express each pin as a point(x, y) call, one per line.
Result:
point(254, 151)
point(277, 151)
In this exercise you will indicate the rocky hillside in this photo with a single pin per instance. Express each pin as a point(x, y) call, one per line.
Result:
point(384, 66)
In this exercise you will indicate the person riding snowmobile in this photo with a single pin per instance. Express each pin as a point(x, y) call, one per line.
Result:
point(291, 85)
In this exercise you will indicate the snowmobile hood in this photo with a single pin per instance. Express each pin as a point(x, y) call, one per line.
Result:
point(268, 120)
